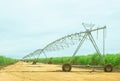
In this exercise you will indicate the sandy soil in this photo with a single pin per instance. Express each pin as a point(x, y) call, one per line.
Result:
point(22, 71)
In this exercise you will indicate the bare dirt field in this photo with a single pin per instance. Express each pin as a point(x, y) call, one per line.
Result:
point(22, 71)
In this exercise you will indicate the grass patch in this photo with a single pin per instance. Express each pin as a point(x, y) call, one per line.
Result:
point(6, 60)
point(92, 59)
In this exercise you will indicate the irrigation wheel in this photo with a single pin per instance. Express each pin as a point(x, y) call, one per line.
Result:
point(66, 67)
point(108, 68)
point(49, 62)
point(34, 62)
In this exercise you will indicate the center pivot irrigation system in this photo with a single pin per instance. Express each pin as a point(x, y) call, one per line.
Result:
point(77, 38)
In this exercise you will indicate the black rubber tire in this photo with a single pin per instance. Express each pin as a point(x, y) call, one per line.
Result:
point(108, 68)
point(34, 62)
point(49, 62)
point(66, 67)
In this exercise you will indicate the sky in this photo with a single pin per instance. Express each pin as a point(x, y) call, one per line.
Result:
point(27, 25)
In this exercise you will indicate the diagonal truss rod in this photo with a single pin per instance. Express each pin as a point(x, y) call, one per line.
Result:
point(80, 44)
point(96, 47)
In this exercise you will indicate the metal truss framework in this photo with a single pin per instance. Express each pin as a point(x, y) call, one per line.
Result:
point(69, 40)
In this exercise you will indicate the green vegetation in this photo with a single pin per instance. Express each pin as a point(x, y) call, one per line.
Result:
point(6, 61)
point(92, 59)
